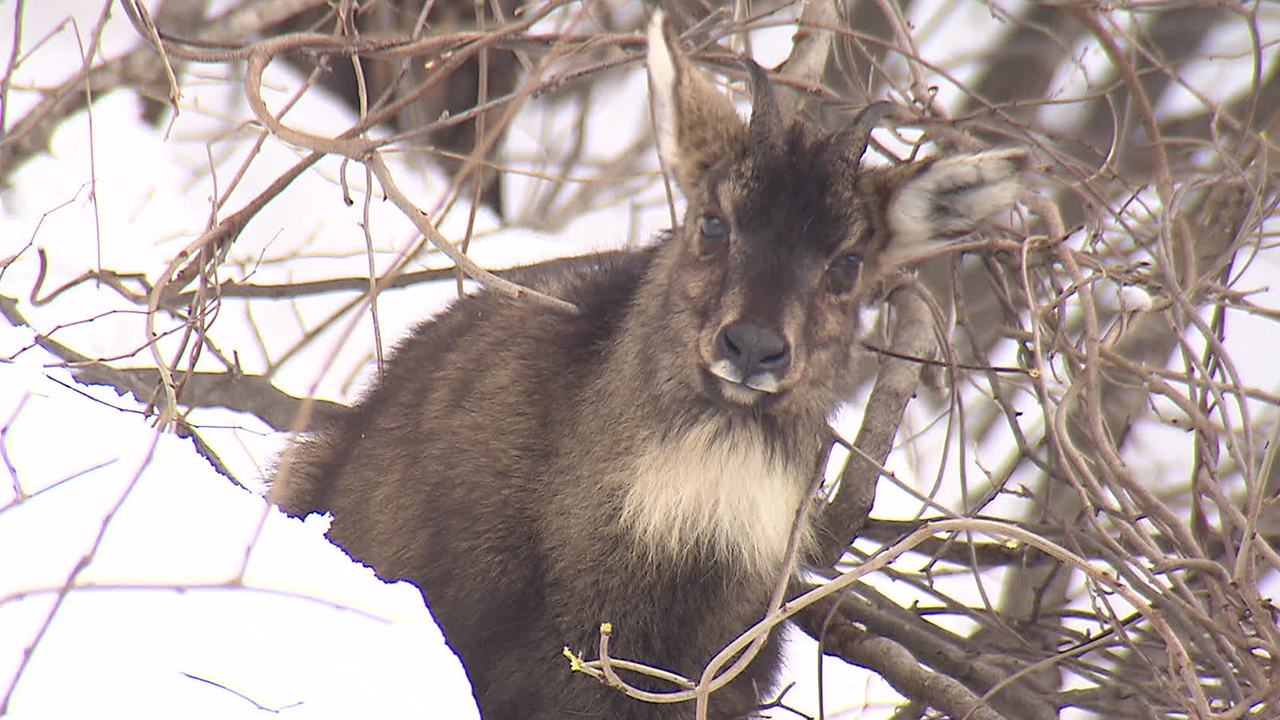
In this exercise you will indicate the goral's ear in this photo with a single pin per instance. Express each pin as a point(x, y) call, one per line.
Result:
point(696, 123)
point(947, 198)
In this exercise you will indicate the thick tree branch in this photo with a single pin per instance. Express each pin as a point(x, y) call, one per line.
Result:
point(896, 665)
point(913, 336)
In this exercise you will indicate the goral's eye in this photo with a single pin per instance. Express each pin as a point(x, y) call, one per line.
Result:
point(713, 227)
point(842, 273)
point(713, 236)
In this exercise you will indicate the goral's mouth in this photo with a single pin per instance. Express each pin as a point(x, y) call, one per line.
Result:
point(740, 389)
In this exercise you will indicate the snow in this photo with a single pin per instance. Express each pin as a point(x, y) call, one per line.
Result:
point(182, 593)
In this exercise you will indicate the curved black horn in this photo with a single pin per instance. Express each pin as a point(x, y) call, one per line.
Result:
point(860, 129)
point(766, 119)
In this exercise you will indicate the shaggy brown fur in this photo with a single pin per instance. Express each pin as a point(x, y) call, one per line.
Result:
point(640, 463)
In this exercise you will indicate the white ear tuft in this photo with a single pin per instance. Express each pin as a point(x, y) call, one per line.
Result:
point(950, 196)
point(695, 122)
point(662, 83)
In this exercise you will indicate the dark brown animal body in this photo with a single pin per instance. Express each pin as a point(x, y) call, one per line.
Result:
point(641, 462)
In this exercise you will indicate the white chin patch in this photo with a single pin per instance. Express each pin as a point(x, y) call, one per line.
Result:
point(762, 381)
point(725, 370)
point(741, 394)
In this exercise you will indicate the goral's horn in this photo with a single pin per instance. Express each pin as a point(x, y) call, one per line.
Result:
point(859, 131)
point(766, 119)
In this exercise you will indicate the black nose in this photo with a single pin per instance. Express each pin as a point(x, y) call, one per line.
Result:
point(751, 348)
